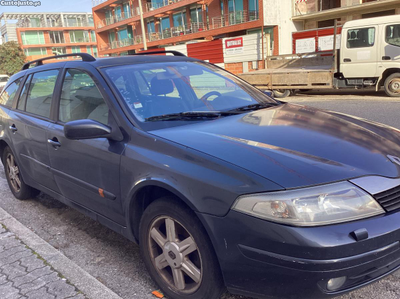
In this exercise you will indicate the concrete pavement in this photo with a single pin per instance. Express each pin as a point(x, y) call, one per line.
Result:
point(32, 268)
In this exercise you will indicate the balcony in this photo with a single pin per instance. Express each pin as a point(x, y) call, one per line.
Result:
point(116, 19)
point(311, 9)
point(150, 6)
point(237, 18)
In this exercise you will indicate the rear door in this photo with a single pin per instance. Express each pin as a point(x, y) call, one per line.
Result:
point(29, 121)
point(359, 56)
point(86, 171)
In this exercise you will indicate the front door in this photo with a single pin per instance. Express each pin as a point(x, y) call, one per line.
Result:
point(86, 171)
point(359, 53)
point(390, 47)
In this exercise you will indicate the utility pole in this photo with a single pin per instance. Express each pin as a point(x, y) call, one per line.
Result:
point(142, 25)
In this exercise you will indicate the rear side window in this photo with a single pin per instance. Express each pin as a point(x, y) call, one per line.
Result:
point(360, 38)
point(393, 35)
point(40, 93)
point(9, 93)
point(81, 99)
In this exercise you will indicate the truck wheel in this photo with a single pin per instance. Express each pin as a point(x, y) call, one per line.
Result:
point(178, 253)
point(392, 85)
point(14, 179)
point(281, 93)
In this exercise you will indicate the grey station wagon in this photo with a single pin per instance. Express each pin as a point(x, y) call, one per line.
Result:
point(221, 185)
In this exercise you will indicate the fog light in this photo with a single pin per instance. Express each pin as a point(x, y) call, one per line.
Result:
point(335, 283)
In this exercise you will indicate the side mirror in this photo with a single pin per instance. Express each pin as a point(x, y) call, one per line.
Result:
point(86, 129)
point(269, 93)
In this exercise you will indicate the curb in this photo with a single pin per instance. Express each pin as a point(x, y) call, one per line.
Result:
point(85, 282)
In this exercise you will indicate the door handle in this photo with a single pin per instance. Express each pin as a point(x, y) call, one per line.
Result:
point(347, 60)
point(54, 142)
point(13, 128)
point(386, 58)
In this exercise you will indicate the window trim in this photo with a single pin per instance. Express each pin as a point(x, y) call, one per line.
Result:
point(359, 28)
point(397, 24)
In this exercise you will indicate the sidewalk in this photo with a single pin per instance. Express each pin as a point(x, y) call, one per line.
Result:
point(32, 268)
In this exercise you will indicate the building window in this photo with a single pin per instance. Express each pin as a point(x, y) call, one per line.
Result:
point(127, 10)
point(59, 50)
point(180, 19)
point(95, 51)
point(253, 10)
point(35, 51)
point(56, 37)
point(32, 38)
point(88, 50)
point(151, 27)
point(93, 35)
point(73, 22)
point(5, 37)
point(91, 22)
point(360, 38)
point(79, 36)
point(196, 15)
point(76, 49)
point(329, 4)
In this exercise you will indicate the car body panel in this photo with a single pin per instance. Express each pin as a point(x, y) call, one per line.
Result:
point(294, 146)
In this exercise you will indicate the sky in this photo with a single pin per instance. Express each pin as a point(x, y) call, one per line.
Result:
point(47, 6)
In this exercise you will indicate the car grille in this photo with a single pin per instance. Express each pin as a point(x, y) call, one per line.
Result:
point(389, 199)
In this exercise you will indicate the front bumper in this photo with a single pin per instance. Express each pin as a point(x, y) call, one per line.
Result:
point(264, 259)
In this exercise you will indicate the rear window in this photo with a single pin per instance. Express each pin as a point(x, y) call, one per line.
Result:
point(8, 95)
point(360, 38)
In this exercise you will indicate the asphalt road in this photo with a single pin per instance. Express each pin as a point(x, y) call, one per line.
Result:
point(116, 262)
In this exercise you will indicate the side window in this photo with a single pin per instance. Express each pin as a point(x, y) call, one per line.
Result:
point(360, 38)
point(81, 99)
point(393, 35)
point(40, 93)
point(9, 93)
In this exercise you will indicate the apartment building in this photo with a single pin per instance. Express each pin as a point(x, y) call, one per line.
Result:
point(173, 23)
point(46, 34)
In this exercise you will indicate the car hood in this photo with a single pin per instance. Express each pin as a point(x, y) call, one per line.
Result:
point(294, 145)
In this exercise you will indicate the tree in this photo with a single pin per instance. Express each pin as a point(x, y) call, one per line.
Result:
point(12, 57)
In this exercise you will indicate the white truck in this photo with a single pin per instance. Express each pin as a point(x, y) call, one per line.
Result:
point(369, 57)
point(3, 81)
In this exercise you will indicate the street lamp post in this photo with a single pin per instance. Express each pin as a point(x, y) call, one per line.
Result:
point(142, 25)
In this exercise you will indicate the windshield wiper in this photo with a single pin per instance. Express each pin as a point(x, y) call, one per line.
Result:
point(191, 115)
point(253, 107)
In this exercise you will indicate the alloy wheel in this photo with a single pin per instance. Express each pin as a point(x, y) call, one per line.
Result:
point(13, 172)
point(175, 255)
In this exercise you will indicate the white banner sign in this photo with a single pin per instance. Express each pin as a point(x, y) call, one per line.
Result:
point(325, 43)
point(305, 45)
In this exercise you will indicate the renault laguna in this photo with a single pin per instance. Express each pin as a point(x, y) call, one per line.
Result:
point(221, 185)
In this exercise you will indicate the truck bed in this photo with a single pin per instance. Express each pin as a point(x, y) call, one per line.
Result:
point(293, 72)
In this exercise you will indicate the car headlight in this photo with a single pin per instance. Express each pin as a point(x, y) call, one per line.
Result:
point(320, 205)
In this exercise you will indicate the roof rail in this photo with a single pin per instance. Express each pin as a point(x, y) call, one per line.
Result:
point(84, 56)
point(176, 53)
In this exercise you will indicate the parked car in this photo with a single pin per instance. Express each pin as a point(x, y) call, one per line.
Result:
point(3, 81)
point(220, 184)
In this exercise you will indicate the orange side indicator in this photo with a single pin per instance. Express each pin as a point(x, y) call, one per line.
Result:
point(157, 294)
point(101, 192)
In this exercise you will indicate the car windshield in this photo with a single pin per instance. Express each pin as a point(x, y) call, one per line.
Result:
point(182, 89)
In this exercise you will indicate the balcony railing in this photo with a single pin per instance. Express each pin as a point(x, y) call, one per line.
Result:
point(234, 18)
point(117, 18)
point(238, 17)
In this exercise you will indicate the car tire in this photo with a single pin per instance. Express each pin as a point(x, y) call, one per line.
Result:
point(14, 178)
point(179, 275)
point(392, 85)
point(281, 93)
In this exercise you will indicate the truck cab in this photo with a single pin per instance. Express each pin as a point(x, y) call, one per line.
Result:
point(370, 53)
